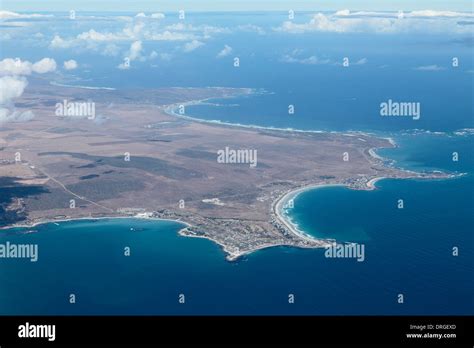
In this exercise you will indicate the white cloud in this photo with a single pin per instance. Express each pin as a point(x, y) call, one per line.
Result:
point(347, 13)
point(103, 42)
point(319, 22)
point(433, 67)
point(345, 21)
point(133, 54)
point(431, 13)
point(124, 66)
point(391, 14)
point(70, 64)
point(11, 24)
point(141, 29)
point(200, 31)
point(208, 30)
point(7, 115)
point(296, 57)
point(11, 87)
point(343, 13)
point(158, 15)
point(45, 65)
point(58, 42)
point(179, 27)
point(169, 36)
point(86, 38)
point(9, 15)
point(131, 32)
point(135, 49)
point(191, 46)
point(361, 61)
point(93, 35)
point(251, 28)
point(10, 66)
point(225, 51)
point(153, 15)
point(205, 29)
point(313, 60)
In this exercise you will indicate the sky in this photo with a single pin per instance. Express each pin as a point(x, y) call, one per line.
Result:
point(233, 5)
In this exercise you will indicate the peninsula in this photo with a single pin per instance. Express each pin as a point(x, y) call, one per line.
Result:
point(141, 156)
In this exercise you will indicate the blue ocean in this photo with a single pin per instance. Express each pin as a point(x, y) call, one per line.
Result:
point(408, 251)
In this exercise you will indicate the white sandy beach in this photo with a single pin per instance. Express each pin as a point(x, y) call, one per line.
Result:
point(279, 205)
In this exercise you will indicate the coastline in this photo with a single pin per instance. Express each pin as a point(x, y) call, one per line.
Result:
point(298, 238)
point(171, 110)
point(371, 183)
point(88, 218)
point(230, 254)
point(278, 208)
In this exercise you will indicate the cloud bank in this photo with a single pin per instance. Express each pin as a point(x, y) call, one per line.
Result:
point(13, 84)
point(10, 66)
point(345, 21)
